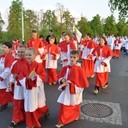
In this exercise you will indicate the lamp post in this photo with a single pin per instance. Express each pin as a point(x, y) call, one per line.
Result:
point(22, 13)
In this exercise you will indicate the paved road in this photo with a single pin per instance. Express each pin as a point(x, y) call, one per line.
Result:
point(115, 96)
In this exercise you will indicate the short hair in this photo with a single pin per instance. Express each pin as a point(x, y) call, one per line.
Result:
point(15, 39)
point(22, 46)
point(74, 52)
point(67, 34)
point(89, 34)
point(52, 37)
point(32, 49)
point(8, 44)
point(34, 31)
point(41, 36)
point(63, 33)
point(50, 31)
point(74, 33)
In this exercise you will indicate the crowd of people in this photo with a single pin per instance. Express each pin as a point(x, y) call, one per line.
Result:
point(25, 68)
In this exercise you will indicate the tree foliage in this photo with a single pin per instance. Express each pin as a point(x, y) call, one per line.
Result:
point(1, 25)
point(84, 26)
point(14, 19)
point(120, 5)
point(97, 26)
point(110, 26)
point(48, 22)
point(30, 22)
point(59, 20)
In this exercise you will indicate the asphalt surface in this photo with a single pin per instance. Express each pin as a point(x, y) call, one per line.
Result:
point(117, 92)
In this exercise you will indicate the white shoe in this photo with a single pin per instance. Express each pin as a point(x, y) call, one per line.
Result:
point(50, 83)
point(104, 87)
point(76, 119)
point(59, 125)
point(92, 75)
point(54, 83)
point(96, 91)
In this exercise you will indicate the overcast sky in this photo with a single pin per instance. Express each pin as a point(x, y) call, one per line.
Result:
point(87, 8)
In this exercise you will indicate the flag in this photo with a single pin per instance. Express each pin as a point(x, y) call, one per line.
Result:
point(78, 34)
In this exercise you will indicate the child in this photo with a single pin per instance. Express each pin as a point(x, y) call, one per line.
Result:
point(15, 45)
point(6, 60)
point(72, 82)
point(18, 102)
point(36, 43)
point(41, 50)
point(51, 55)
point(32, 80)
point(87, 57)
point(66, 47)
point(103, 55)
point(117, 47)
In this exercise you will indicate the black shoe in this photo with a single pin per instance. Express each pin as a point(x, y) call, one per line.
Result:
point(12, 125)
point(46, 115)
point(96, 90)
point(3, 107)
point(15, 125)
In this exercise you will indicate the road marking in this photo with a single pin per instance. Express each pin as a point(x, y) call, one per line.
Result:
point(115, 118)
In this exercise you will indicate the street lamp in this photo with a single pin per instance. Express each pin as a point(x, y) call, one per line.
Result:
point(22, 22)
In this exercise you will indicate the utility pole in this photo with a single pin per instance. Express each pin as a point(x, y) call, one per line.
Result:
point(22, 13)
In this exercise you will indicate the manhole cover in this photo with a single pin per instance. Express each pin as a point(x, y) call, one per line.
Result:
point(96, 110)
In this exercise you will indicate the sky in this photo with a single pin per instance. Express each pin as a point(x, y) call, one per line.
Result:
point(78, 8)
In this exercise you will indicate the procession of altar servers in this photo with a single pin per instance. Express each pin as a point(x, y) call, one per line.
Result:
point(23, 74)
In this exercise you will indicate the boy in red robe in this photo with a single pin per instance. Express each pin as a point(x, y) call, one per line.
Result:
point(18, 102)
point(36, 43)
point(87, 56)
point(66, 47)
point(15, 45)
point(51, 55)
point(32, 80)
point(41, 50)
point(72, 83)
point(117, 47)
point(6, 60)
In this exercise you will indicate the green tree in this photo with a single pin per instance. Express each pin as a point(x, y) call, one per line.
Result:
point(48, 22)
point(14, 19)
point(110, 25)
point(48, 18)
point(125, 29)
point(120, 5)
point(120, 26)
point(1, 25)
point(30, 22)
point(68, 21)
point(84, 26)
point(96, 25)
point(59, 13)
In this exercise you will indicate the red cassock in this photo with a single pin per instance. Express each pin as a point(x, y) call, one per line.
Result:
point(71, 95)
point(34, 43)
point(14, 47)
point(66, 48)
point(43, 45)
point(102, 64)
point(18, 102)
point(34, 104)
point(52, 55)
point(117, 47)
point(6, 61)
point(87, 57)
